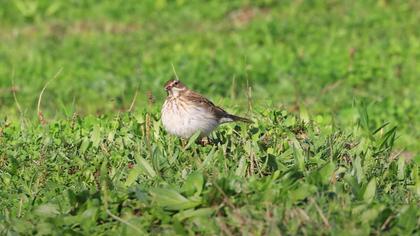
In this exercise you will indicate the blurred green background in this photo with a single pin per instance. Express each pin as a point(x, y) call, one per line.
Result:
point(310, 57)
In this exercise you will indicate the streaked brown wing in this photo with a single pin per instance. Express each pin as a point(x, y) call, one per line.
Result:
point(204, 102)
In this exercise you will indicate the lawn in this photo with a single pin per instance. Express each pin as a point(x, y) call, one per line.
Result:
point(332, 87)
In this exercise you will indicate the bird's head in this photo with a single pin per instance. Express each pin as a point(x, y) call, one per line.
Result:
point(174, 86)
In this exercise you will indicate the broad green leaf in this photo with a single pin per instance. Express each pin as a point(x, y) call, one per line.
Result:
point(95, 136)
point(358, 169)
point(417, 189)
point(132, 176)
point(191, 213)
point(193, 184)
point(242, 166)
point(401, 169)
point(408, 218)
point(45, 228)
point(370, 191)
point(172, 200)
point(301, 192)
point(53, 8)
point(85, 145)
point(371, 213)
point(290, 121)
point(145, 167)
point(356, 188)
point(326, 172)
point(358, 209)
point(47, 210)
point(298, 155)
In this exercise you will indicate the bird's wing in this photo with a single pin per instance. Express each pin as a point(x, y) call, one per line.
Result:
point(205, 103)
point(218, 112)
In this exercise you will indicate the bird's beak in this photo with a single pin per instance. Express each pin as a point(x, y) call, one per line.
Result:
point(167, 88)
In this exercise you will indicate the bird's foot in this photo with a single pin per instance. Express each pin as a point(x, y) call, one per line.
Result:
point(204, 141)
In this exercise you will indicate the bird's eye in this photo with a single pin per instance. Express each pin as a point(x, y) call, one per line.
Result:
point(176, 82)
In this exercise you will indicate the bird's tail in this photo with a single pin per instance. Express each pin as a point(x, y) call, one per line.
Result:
point(238, 118)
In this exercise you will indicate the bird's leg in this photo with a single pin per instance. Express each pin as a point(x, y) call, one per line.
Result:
point(204, 141)
point(183, 143)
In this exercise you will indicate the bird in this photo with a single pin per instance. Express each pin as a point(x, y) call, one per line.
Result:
point(186, 112)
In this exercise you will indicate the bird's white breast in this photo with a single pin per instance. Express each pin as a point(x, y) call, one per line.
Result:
point(185, 120)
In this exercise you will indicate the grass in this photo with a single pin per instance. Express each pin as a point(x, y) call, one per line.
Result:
point(119, 175)
point(331, 86)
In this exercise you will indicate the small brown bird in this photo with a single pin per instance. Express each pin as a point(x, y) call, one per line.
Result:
point(186, 112)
